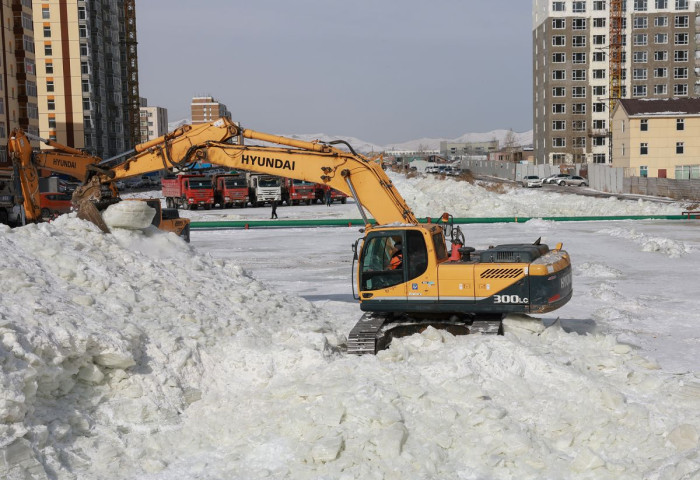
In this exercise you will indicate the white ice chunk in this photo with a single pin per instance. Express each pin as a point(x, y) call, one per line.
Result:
point(132, 215)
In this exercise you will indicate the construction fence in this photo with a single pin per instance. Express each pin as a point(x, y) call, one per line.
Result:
point(600, 177)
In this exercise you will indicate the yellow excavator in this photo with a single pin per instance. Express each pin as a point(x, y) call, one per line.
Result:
point(406, 278)
point(77, 164)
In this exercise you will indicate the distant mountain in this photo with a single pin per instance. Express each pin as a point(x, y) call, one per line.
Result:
point(523, 138)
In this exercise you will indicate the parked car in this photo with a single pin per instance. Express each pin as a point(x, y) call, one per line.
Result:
point(54, 203)
point(554, 179)
point(574, 180)
point(531, 181)
point(431, 169)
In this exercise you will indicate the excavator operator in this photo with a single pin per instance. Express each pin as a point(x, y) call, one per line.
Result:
point(396, 257)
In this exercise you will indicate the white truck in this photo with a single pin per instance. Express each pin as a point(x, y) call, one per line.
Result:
point(263, 189)
point(11, 211)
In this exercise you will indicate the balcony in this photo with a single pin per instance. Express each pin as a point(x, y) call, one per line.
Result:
point(598, 132)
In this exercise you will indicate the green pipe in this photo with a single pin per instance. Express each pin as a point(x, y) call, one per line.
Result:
point(354, 222)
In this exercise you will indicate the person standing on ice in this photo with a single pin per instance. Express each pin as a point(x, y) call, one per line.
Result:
point(274, 210)
point(328, 198)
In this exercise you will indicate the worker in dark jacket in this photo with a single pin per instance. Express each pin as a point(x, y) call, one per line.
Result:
point(274, 209)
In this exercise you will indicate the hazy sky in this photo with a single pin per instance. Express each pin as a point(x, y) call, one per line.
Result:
point(379, 70)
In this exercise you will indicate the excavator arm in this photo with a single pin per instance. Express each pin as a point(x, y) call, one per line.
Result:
point(348, 172)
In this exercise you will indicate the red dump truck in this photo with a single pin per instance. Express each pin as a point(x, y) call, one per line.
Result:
point(188, 191)
point(230, 189)
point(336, 196)
point(295, 192)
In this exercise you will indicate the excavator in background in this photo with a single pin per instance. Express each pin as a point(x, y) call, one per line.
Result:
point(79, 165)
point(425, 284)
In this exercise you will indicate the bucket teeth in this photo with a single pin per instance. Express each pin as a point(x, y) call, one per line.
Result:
point(88, 211)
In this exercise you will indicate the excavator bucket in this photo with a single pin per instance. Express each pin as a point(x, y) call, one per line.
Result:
point(88, 211)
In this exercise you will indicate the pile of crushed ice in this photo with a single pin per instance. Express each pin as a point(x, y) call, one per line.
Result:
point(132, 356)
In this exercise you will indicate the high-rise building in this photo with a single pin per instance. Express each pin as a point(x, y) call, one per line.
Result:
point(18, 83)
point(572, 76)
point(207, 109)
point(86, 73)
point(153, 121)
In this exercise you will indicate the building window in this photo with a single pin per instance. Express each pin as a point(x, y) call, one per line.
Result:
point(598, 141)
point(661, 4)
point(680, 89)
point(559, 125)
point(557, 6)
point(52, 122)
point(559, 91)
point(681, 4)
point(558, 23)
point(661, 21)
point(639, 57)
point(639, 90)
point(579, 57)
point(661, 56)
point(599, 5)
point(578, 125)
point(82, 31)
point(599, 73)
point(660, 72)
point(660, 89)
point(578, 92)
point(86, 104)
point(47, 31)
point(681, 21)
point(599, 124)
point(558, 40)
point(661, 38)
point(598, 56)
point(558, 74)
point(644, 125)
point(599, 40)
point(598, 90)
point(84, 68)
point(86, 85)
point(680, 72)
point(578, 109)
point(680, 124)
point(47, 49)
point(82, 13)
point(680, 56)
point(640, 39)
point(578, 41)
point(643, 171)
point(599, 22)
point(579, 142)
point(681, 39)
point(578, 75)
point(643, 148)
point(558, 142)
point(49, 67)
point(578, 23)
point(558, 158)
point(679, 148)
point(599, 107)
point(598, 158)
point(45, 14)
point(640, 22)
point(639, 74)
point(558, 108)
point(559, 57)
point(49, 85)
point(84, 52)
point(579, 7)
point(50, 104)
point(640, 5)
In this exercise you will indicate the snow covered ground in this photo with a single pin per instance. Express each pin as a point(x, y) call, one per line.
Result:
point(135, 355)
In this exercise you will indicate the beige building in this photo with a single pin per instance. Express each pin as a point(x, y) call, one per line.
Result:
point(571, 69)
point(657, 138)
point(84, 73)
point(18, 82)
point(153, 121)
point(207, 109)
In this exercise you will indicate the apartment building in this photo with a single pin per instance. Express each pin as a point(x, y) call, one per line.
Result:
point(18, 83)
point(207, 109)
point(153, 121)
point(658, 138)
point(571, 69)
point(83, 74)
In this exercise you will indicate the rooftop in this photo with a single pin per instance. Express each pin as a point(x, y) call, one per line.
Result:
point(665, 106)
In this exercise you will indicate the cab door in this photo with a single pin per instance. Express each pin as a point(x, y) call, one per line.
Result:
point(381, 284)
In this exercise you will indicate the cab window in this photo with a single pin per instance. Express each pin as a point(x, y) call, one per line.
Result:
point(380, 265)
point(440, 247)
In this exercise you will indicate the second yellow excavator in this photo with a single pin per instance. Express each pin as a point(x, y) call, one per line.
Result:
point(406, 278)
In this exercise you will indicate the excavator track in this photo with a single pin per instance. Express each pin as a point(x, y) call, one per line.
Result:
point(374, 331)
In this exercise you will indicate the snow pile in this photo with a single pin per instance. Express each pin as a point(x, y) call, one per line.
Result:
point(132, 356)
point(666, 246)
point(428, 196)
